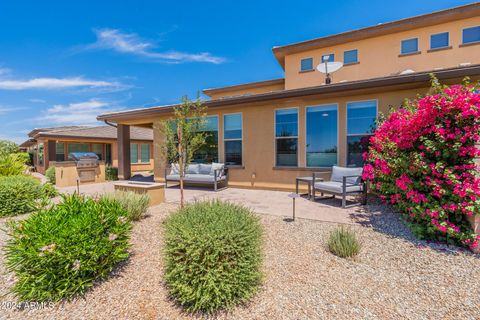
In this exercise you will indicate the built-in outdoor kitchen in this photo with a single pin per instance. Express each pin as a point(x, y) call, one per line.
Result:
point(85, 167)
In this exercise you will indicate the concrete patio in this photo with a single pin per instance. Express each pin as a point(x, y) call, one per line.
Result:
point(276, 203)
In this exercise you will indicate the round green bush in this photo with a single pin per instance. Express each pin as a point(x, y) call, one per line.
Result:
point(50, 175)
point(213, 255)
point(343, 243)
point(61, 251)
point(18, 194)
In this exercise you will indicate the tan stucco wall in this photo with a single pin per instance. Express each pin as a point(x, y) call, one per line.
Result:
point(379, 56)
point(240, 92)
point(259, 143)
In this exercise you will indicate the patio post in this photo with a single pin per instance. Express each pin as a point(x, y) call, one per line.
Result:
point(123, 142)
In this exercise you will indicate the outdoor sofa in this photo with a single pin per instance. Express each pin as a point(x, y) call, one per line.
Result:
point(199, 174)
point(343, 182)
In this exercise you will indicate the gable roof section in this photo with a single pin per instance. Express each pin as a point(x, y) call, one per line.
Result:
point(462, 12)
point(98, 132)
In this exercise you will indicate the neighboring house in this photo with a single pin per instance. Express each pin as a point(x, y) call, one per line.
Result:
point(270, 132)
point(56, 143)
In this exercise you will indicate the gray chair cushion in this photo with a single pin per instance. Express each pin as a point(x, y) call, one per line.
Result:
point(193, 169)
point(174, 177)
point(336, 187)
point(339, 172)
point(219, 167)
point(202, 178)
point(205, 168)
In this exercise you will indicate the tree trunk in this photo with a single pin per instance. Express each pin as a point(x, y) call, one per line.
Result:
point(180, 164)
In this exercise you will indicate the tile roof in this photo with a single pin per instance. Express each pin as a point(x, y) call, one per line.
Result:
point(98, 132)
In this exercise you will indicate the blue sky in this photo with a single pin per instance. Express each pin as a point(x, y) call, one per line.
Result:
point(64, 62)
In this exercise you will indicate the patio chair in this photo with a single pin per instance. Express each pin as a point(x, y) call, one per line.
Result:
point(343, 182)
point(199, 174)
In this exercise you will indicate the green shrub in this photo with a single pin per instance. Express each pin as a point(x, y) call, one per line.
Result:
point(134, 203)
point(50, 175)
point(212, 255)
point(13, 163)
point(49, 190)
point(7, 147)
point(111, 173)
point(19, 194)
point(59, 252)
point(343, 243)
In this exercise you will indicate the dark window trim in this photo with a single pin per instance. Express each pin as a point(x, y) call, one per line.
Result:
point(351, 64)
point(306, 71)
point(409, 54)
point(439, 49)
point(469, 44)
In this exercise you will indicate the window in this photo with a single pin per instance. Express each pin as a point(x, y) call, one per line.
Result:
point(98, 149)
point(439, 40)
point(350, 56)
point(133, 153)
point(108, 154)
point(361, 118)
point(322, 135)
point(471, 35)
point(409, 46)
point(60, 151)
point(144, 153)
point(40, 154)
point(208, 153)
point(306, 64)
point(286, 137)
point(232, 136)
point(331, 57)
point(77, 147)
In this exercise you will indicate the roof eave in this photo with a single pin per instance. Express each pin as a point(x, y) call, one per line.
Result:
point(420, 77)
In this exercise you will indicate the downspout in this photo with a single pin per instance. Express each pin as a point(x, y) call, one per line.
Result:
point(110, 124)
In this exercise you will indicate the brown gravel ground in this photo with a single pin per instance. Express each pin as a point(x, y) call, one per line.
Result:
point(394, 277)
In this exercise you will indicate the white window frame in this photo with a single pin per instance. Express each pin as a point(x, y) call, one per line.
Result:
point(289, 137)
point(347, 63)
point(236, 139)
point(418, 46)
point(463, 42)
point(313, 64)
point(346, 124)
point(338, 131)
point(436, 34)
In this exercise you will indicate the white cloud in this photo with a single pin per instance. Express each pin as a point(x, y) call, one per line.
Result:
point(56, 83)
point(4, 71)
point(4, 109)
point(37, 100)
point(131, 43)
point(77, 113)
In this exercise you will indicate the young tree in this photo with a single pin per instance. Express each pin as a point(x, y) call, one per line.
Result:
point(184, 134)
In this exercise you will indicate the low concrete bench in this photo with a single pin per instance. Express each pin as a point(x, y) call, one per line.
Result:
point(199, 174)
point(156, 191)
point(343, 182)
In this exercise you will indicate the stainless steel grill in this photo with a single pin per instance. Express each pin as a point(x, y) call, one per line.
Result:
point(87, 164)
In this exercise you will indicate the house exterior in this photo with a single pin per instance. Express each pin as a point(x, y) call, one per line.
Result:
point(270, 132)
point(54, 144)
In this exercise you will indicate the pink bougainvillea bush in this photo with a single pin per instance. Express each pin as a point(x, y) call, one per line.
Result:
point(421, 159)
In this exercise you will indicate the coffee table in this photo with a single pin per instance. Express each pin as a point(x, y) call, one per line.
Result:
point(308, 180)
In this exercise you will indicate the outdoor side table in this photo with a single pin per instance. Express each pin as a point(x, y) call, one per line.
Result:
point(309, 181)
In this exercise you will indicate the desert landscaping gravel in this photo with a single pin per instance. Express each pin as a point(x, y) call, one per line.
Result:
point(394, 277)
